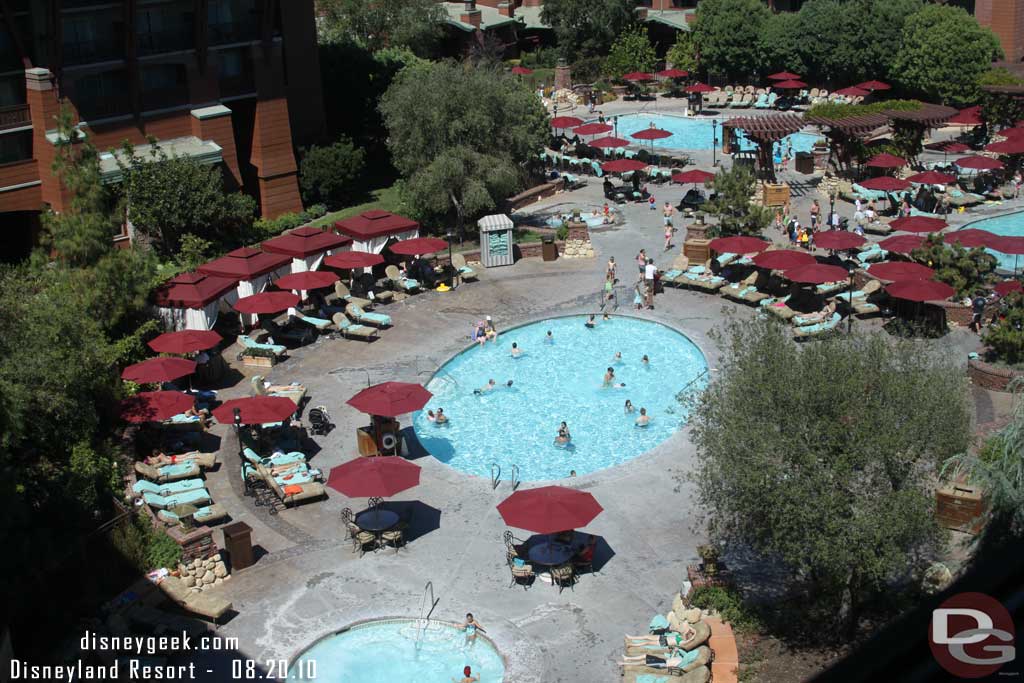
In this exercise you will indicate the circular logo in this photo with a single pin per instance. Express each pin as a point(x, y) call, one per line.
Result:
point(972, 635)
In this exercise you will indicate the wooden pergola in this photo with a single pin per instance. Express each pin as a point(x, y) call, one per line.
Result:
point(765, 131)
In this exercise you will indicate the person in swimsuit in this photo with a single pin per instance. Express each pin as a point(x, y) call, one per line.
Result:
point(644, 419)
point(491, 384)
point(467, 677)
point(564, 436)
point(609, 380)
point(591, 323)
point(516, 351)
point(617, 358)
point(549, 339)
point(471, 626)
point(441, 418)
point(629, 407)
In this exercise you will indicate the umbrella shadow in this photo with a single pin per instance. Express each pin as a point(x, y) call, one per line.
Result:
point(429, 445)
point(603, 552)
point(423, 518)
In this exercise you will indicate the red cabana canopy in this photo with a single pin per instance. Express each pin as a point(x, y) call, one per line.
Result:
point(979, 163)
point(700, 87)
point(608, 142)
point(638, 76)
point(418, 245)
point(185, 341)
point(373, 477)
point(971, 116)
point(1011, 146)
point(592, 129)
point(920, 290)
point(1006, 286)
point(948, 147)
point(919, 224)
point(931, 178)
point(902, 244)
point(304, 242)
point(375, 223)
point(673, 73)
point(521, 71)
point(738, 245)
point(969, 238)
point(549, 509)
point(651, 134)
point(816, 274)
point(155, 406)
point(245, 263)
point(884, 184)
point(266, 302)
point(838, 240)
point(852, 91)
point(309, 279)
point(347, 260)
point(693, 176)
point(789, 85)
point(623, 166)
point(193, 290)
point(256, 410)
point(390, 399)
point(565, 122)
point(1008, 245)
point(897, 271)
point(782, 259)
point(872, 86)
point(154, 370)
point(783, 76)
point(885, 160)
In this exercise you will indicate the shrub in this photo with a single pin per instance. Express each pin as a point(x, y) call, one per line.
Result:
point(727, 603)
point(265, 228)
point(1006, 338)
point(544, 57)
point(966, 270)
point(145, 547)
point(328, 174)
point(562, 233)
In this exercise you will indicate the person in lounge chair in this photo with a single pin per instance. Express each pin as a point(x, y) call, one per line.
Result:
point(667, 639)
point(677, 660)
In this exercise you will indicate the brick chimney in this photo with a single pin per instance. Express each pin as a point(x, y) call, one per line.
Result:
point(507, 9)
point(641, 13)
point(470, 14)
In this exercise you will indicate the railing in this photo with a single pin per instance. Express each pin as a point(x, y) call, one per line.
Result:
point(681, 394)
point(424, 620)
point(515, 477)
point(15, 116)
point(99, 50)
point(164, 41)
point(495, 475)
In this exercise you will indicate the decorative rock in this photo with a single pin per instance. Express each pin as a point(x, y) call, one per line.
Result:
point(189, 580)
point(209, 578)
point(220, 571)
point(197, 563)
point(196, 590)
point(183, 569)
point(228, 577)
point(200, 573)
point(218, 581)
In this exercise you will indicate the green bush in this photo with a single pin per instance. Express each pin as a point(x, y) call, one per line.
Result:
point(265, 228)
point(145, 547)
point(966, 270)
point(544, 57)
point(727, 603)
point(162, 550)
point(1006, 338)
point(588, 70)
point(562, 233)
point(329, 174)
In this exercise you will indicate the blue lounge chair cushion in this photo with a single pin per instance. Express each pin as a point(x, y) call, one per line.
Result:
point(184, 498)
point(845, 296)
point(250, 343)
point(170, 488)
point(182, 418)
point(199, 515)
point(695, 270)
point(518, 562)
point(659, 623)
point(319, 323)
point(380, 318)
point(822, 327)
point(672, 274)
point(177, 469)
point(652, 678)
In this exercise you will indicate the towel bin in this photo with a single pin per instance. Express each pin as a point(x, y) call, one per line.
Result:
point(548, 249)
point(238, 543)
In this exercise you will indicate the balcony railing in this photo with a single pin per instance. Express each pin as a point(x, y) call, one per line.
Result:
point(99, 107)
point(243, 84)
point(233, 32)
point(155, 42)
point(15, 116)
point(99, 50)
point(163, 98)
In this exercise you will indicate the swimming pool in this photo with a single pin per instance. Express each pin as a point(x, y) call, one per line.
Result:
point(1011, 224)
point(387, 651)
point(560, 381)
point(693, 133)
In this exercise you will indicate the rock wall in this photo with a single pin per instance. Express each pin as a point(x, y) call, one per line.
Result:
point(203, 574)
point(988, 376)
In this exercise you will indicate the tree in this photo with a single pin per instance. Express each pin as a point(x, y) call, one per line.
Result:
point(824, 27)
point(631, 51)
point(966, 270)
point(1005, 338)
point(727, 32)
point(168, 196)
point(329, 174)
point(780, 45)
point(683, 53)
point(821, 456)
point(873, 32)
point(461, 137)
point(732, 206)
point(413, 24)
point(944, 53)
point(586, 28)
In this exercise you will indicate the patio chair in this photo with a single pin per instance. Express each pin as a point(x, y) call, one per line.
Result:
point(777, 306)
point(405, 284)
point(773, 98)
point(347, 328)
point(804, 319)
point(357, 314)
point(296, 392)
point(343, 296)
point(361, 540)
point(205, 515)
point(829, 288)
point(166, 473)
point(522, 574)
point(695, 671)
point(247, 342)
point(465, 272)
point(513, 550)
point(762, 101)
point(563, 575)
point(736, 290)
point(701, 635)
point(196, 497)
point(204, 604)
point(277, 460)
point(393, 536)
point(168, 488)
point(870, 288)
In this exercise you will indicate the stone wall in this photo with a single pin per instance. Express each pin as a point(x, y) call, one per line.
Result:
point(203, 574)
point(534, 194)
point(988, 376)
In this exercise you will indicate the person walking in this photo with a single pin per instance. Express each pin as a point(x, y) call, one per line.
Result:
point(649, 273)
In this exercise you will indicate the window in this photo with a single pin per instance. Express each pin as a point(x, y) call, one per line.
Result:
point(12, 91)
point(15, 147)
point(163, 76)
point(231, 64)
point(101, 95)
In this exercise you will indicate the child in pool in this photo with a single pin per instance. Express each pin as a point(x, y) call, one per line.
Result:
point(564, 437)
point(609, 380)
point(644, 419)
point(471, 626)
point(516, 351)
point(467, 677)
point(645, 361)
point(629, 407)
point(548, 338)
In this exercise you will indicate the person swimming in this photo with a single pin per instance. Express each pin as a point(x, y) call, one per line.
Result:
point(491, 384)
point(516, 351)
point(591, 323)
point(467, 676)
point(441, 418)
point(548, 338)
point(564, 436)
point(629, 407)
point(617, 358)
point(609, 380)
point(645, 361)
point(643, 420)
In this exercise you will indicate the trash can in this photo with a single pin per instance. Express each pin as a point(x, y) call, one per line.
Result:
point(548, 249)
point(804, 163)
point(238, 543)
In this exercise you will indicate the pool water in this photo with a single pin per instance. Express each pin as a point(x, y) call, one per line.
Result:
point(693, 133)
point(397, 650)
point(1010, 225)
point(517, 425)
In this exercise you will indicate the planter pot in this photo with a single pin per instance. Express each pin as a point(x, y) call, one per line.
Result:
point(259, 361)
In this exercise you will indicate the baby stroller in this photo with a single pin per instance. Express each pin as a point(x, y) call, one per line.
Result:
point(320, 421)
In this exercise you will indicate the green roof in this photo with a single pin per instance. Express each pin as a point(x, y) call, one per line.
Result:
point(489, 17)
point(674, 18)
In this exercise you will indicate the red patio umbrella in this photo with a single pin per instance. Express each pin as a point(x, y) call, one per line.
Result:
point(852, 91)
point(373, 477)
point(154, 406)
point(638, 76)
point(931, 178)
point(920, 290)
point(390, 399)
point(693, 176)
point(789, 85)
point(897, 271)
point(1012, 146)
point(884, 183)
point(902, 244)
point(816, 274)
point(1014, 133)
point(608, 142)
point(885, 160)
point(1006, 286)
point(872, 86)
point(783, 76)
point(971, 116)
point(673, 73)
point(782, 259)
point(156, 370)
point(700, 87)
point(948, 147)
point(651, 134)
point(418, 245)
point(347, 260)
point(738, 245)
point(979, 163)
point(565, 122)
point(549, 509)
point(592, 129)
point(256, 410)
point(521, 71)
point(308, 279)
point(1009, 245)
point(838, 240)
point(185, 341)
point(918, 224)
point(266, 302)
point(623, 166)
point(969, 238)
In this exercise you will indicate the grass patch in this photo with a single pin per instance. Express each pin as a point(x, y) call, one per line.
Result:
point(385, 198)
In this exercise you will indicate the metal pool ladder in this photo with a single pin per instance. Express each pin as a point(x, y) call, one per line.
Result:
point(424, 621)
point(495, 475)
point(515, 477)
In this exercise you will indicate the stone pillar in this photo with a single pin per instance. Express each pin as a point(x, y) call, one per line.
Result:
point(563, 75)
point(214, 123)
point(44, 107)
point(507, 9)
point(196, 544)
point(577, 242)
point(272, 152)
point(470, 14)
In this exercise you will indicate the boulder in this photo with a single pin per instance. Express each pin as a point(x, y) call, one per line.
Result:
point(209, 578)
point(200, 572)
point(189, 580)
point(220, 571)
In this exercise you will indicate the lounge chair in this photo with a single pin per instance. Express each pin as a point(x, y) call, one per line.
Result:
point(860, 294)
point(762, 101)
point(291, 494)
point(168, 488)
point(204, 460)
point(465, 272)
point(650, 674)
point(343, 296)
point(706, 282)
point(184, 422)
point(863, 307)
point(745, 103)
point(829, 288)
point(204, 515)
point(347, 328)
point(804, 319)
point(278, 460)
point(405, 284)
point(205, 604)
point(166, 473)
point(871, 254)
point(736, 290)
point(296, 392)
point(297, 335)
point(772, 99)
point(778, 307)
point(678, 269)
point(878, 228)
point(818, 329)
point(154, 620)
point(197, 497)
point(320, 324)
point(247, 342)
point(357, 314)
point(702, 632)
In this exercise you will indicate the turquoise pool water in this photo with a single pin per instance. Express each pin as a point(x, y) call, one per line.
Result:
point(1012, 224)
point(691, 133)
point(563, 380)
point(393, 651)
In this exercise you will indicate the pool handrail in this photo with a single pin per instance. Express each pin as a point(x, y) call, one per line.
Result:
point(495, 477)
point(515, 477)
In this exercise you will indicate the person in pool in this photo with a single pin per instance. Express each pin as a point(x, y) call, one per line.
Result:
point(491, 384)
point(441, 418)
point(591, 323)
point(548, 338)
point(644, 419)
point(564, 436)
point(629, 407)
point(471, 626)
point(645, 361)
point(609, 380)
point(617, 358)
point(467, 676)
point(516, 351)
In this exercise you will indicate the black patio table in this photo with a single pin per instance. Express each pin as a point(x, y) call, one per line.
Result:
point(376, 520)
point(550, 553)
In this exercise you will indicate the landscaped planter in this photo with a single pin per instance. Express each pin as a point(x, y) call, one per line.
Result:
point(989, 376)
point(258, 361)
